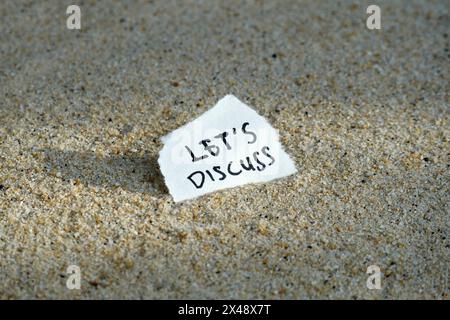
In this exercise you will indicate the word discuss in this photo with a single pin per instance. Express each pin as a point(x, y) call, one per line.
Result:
point(254, 162)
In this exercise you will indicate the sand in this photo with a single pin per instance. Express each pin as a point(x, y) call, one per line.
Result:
point(364, 114)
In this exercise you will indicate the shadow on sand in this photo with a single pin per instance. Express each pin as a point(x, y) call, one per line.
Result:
point(131, 172)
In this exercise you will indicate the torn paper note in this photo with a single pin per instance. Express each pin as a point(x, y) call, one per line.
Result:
point(227, 146)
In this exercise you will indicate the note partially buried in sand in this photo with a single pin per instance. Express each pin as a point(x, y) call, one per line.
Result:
point(227, 146)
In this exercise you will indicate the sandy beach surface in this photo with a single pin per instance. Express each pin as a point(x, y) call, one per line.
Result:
point(363, 113)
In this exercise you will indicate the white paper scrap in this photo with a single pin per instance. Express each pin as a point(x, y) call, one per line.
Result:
point(227, 146)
